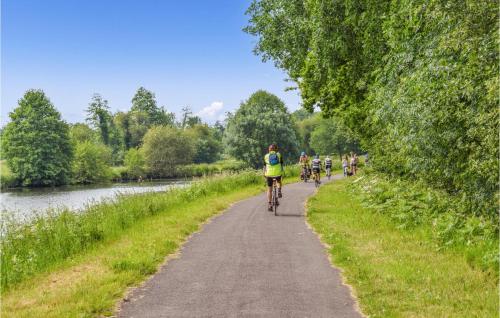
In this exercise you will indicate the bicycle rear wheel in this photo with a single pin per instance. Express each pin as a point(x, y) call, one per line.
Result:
point(275, 201)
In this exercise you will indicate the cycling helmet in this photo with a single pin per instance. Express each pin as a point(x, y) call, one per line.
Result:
point(303, 153)
point(273, 147)
point(316, 157)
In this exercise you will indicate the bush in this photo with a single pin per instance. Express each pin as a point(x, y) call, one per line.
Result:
point(91, 163)
point(165, 149)
point(7, 179)
point(134, 163)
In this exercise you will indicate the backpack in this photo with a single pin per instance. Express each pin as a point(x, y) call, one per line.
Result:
point(273, 159)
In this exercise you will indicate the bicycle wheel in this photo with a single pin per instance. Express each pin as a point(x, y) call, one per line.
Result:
point(275, 201)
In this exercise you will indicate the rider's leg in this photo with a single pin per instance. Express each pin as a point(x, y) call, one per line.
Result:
point(269, 191)
point(278, 183)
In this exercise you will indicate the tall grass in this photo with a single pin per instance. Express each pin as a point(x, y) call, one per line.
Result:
point(34, 247)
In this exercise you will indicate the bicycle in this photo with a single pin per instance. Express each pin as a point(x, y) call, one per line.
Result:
point(316, 177)
point(274, 197)
point(305, 173)
point(328, 172)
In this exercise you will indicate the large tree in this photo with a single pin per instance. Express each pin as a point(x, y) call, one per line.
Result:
point(144, 101)
point(36, 142)
point(260, 121)
point(416, 81)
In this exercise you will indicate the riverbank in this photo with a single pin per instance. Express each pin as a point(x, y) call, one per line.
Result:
point(126, 174)
point(70, 266)
point(398, 271)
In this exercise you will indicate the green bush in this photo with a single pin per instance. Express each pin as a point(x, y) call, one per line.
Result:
point(134, 162)
point(7, 179)
point(91, 163)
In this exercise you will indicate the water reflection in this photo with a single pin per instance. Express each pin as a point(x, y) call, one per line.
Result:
point(24, 202)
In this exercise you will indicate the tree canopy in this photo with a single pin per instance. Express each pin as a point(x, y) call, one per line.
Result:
point(260, 121)
point(415, 81)
point(36, 142)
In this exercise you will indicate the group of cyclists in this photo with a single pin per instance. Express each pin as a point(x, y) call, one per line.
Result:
point(273, 170)
point(313, 167)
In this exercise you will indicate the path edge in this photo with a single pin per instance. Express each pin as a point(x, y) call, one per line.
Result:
point(326, 248)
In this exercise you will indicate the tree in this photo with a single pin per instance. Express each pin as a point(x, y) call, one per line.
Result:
point(99, 116)
point(304, 129)
point(188, 120)
point(80, 132)
point(207, 147)
point(143, 115)
point(92, 163)
point(36, 142)
point(165, 148)
point(331, 137)
point(144, 102)
point(416, 81)
point(122, 122)
point(261, 120)
point(134, 161)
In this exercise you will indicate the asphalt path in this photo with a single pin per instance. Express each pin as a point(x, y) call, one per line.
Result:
point(248, 263)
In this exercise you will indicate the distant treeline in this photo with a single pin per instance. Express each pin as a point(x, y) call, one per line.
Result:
point(416, 81)
point(147, 141)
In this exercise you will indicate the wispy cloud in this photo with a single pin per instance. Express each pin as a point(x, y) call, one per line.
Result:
point(211, 112)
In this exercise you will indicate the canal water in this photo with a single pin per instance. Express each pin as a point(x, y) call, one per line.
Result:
point(22, 204)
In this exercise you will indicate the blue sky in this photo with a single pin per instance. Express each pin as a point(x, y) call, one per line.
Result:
point(187, 52)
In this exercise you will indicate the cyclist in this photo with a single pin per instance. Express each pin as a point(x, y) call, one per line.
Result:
point(328, 165)
point(272, 170)
point(304, 164)
point(316, 167)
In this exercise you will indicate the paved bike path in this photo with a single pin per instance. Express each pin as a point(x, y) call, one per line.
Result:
point(248, 263)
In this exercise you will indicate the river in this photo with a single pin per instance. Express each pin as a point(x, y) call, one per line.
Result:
point(24, 203)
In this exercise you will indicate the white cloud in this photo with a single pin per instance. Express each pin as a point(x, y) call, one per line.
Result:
point(210, 112)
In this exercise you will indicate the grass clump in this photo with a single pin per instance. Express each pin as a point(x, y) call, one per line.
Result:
point(398, 270)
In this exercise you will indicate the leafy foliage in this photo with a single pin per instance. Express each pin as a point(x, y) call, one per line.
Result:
point(261, 120)
point(332, 137)
point(92, 162)
point(165, 148)
point(416, 82)
point(36, 142)
point(134, 161)
point(208, 148)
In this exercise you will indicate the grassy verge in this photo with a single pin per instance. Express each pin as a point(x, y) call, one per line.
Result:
point(398, 272)
point(79, 265)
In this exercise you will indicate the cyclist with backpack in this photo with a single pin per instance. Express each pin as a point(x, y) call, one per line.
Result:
point(273, 169)
point(316, 168)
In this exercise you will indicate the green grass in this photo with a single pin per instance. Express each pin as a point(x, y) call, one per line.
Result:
point(28, 249)
point(122, 240)
point(81, 265)
point(398, 272)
